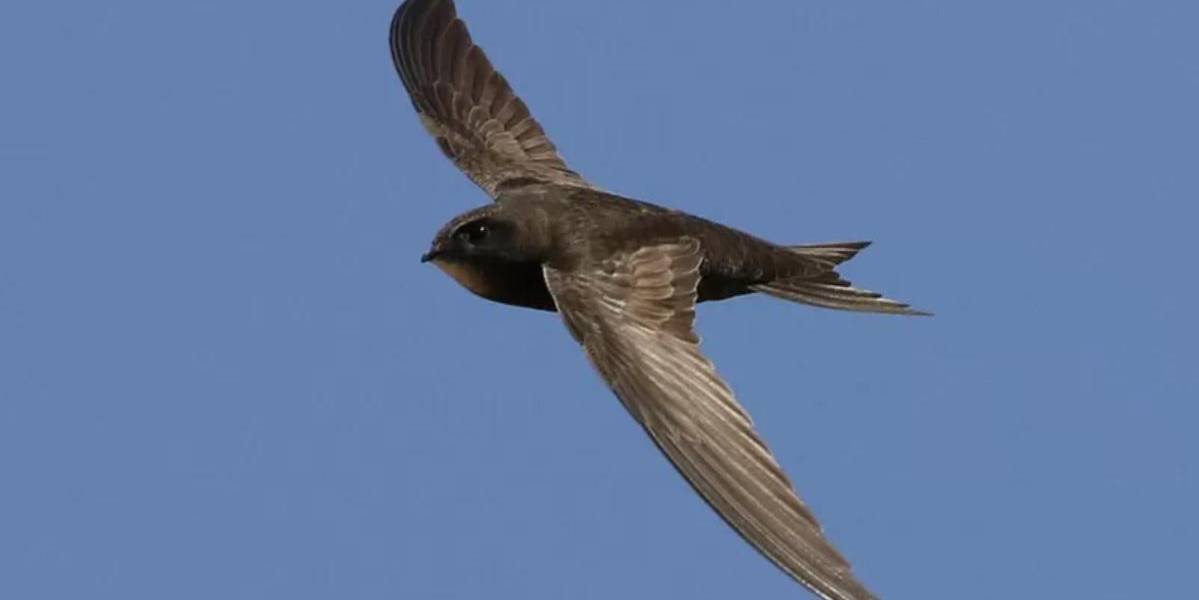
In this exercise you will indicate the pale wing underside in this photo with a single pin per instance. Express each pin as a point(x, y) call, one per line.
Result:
point(468, 107)
point(634, 316)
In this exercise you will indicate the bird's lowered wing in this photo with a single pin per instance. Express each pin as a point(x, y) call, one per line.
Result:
point(467, 106)
point(634, 316)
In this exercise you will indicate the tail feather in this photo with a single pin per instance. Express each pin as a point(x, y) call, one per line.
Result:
point(832, 254)
point(840, 295)
point(830, 290)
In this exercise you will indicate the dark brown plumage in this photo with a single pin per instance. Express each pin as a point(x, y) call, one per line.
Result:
point(626, 276)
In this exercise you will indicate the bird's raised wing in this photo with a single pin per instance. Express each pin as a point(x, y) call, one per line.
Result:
point(467, 106)
point(634, 316)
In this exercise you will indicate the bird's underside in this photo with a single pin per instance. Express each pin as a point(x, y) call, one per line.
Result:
point(626, 277)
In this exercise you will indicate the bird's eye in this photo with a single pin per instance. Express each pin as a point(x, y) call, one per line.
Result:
point(474, 232)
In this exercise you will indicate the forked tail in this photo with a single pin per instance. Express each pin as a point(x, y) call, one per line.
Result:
point(829, 290)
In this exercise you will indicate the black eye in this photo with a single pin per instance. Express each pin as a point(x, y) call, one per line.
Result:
point(474, 232)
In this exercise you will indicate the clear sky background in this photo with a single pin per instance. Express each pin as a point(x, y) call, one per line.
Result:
point(224, 373)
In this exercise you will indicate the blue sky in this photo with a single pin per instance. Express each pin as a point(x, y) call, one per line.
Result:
point(224, 373)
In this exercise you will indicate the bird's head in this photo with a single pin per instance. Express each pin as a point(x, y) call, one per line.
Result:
point(487, 234)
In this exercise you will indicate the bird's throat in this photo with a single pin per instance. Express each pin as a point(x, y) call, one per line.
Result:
point(469, 275)
point(516, 283)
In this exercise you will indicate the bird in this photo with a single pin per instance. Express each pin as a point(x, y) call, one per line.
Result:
point(625, 276)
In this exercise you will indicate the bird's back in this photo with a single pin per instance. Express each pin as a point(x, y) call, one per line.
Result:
point(733, 260)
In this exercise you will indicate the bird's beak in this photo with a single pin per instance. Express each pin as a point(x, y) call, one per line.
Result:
point(430, 255)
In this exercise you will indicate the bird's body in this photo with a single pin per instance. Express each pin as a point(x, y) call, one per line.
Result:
point(626, 276)
point(583, 225)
